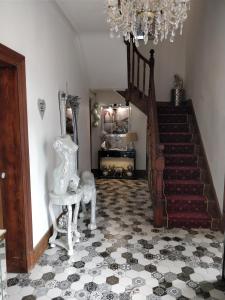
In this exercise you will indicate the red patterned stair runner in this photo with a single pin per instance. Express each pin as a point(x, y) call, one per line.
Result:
point(186, 204)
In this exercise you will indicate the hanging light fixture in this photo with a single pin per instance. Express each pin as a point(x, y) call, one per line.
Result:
point(147, 19)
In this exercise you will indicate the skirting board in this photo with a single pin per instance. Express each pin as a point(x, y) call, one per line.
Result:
point(40, 248)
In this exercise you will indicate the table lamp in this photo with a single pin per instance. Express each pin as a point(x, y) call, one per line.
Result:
point(131, 137)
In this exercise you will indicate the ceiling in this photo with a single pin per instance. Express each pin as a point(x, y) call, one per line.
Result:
point(86, 16)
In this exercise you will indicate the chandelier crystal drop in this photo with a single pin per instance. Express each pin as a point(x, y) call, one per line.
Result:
point(147, 19)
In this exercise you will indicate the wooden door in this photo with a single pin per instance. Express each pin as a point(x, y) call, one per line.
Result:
point(1, 211)
point(14, 162)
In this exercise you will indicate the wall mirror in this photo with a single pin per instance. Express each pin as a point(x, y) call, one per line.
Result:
point(69, 120)
point(69, 109)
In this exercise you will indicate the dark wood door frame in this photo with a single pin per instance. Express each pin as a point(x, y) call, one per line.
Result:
point(223, 211)
point(223, 268)
point(21, 234)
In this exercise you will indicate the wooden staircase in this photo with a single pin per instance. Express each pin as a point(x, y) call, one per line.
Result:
point(173, 197)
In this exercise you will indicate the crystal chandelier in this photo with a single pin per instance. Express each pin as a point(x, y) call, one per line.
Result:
point(147, 19)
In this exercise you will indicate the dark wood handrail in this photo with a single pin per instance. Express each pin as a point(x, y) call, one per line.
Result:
point(140, 55)
point(141, 83)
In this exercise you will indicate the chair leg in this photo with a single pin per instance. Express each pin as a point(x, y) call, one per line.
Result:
point(93, 226)
point(83, 212)
point(75, 217)
point(53, 218)
point(69, 231)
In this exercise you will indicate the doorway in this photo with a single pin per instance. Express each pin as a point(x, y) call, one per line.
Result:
point(15, 199)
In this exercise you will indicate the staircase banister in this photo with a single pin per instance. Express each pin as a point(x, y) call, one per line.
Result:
point(157, 153)
point(137, 52)
point(141, 85)
point(140, 55)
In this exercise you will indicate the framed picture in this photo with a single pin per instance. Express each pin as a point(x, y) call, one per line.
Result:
point(115, 119)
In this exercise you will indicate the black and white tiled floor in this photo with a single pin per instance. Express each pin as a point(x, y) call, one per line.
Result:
point(126, 258)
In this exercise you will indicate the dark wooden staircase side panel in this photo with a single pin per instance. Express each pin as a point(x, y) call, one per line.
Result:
point(122, 93)
point(135, 98)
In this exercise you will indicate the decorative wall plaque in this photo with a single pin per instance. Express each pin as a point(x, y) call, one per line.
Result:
point(42, 107)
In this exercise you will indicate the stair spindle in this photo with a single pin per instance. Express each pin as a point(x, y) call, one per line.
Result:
point(144, 72)
point(138, 73)
point(133, 64)
point(128, 94)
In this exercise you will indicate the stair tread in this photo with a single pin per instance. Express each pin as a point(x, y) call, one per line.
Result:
point(189, 215)
point(181, 155)
point(179, 123)
point(179, 144)
point(183, 181)
point(187, 197)
point(184, 114)
point(176, 133)
point(182, 167)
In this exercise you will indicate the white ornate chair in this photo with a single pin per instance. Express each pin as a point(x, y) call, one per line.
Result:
point(87, 185)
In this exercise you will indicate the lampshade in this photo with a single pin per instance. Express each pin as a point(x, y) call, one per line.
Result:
point(131, 137)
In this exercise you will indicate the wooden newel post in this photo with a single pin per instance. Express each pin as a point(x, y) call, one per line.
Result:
point(152, 59)
point(151, 77)
point(151, 89)
point(128, 94)
point(159, 196)
point(152, 63)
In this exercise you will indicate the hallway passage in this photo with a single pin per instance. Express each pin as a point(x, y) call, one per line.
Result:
point(126, 257)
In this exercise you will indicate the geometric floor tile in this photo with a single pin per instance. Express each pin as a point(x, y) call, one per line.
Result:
point(126, 258)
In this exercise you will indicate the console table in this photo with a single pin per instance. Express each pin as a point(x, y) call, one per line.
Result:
point(117, 164)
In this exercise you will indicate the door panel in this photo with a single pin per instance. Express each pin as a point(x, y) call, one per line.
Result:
point(14, 161)
point(10, 163)
point(1, 211)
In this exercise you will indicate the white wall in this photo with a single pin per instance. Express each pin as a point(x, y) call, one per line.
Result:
point(37, 30)
point(169, 60)
point(138, 122)
point(205, 81)
point(106, 61)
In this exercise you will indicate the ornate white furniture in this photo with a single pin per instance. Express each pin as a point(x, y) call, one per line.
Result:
point(66, 189)
point(65, 192)
point(67, 199)
point(223, 269)
point(87, 185)
point(3, 274)
point(65, 174)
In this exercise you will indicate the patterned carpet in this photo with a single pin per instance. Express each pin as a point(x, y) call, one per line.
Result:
point(186, 202)
point(126, 258)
